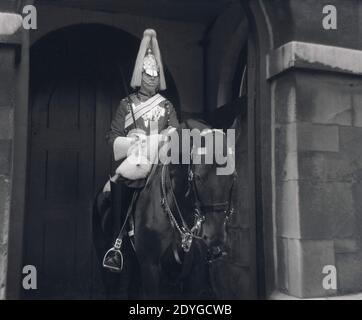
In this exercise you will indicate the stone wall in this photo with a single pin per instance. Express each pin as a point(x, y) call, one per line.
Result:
point(6, 138)
point(314, 77)
point(7, 105)
point(302, 21)
point(319, 165)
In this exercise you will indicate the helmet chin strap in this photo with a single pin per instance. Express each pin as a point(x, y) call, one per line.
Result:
point(148, 86)
point(148, 90)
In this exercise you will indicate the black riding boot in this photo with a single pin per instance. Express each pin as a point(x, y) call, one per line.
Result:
point(118, 283)
point(121, 196)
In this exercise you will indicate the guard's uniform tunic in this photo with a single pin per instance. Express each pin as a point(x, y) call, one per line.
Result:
point(164, 113)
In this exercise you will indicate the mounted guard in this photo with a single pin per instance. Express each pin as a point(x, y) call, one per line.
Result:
point(142, 120)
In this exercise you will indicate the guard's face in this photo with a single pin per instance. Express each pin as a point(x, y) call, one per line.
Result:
point(150, 83)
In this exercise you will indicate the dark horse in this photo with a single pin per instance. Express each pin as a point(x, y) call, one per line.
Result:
point(180, 218)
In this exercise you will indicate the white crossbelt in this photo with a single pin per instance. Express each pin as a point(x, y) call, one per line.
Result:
point(143, 108)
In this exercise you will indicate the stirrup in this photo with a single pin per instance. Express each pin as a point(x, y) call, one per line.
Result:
point(113, 259)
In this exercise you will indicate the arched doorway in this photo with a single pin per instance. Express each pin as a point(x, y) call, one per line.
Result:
point(249, 270)
point(75, 87)
point(259, 102)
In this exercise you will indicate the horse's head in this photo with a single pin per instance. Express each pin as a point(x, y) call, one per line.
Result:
point(214, 195)
point(212, 181)
point(213, 200)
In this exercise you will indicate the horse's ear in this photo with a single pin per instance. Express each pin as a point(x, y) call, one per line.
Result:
point(237, 127)
point(194, 123)
point(182, 125)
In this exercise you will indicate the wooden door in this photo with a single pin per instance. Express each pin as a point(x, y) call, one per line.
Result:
point(75, 88)
point(61, 186)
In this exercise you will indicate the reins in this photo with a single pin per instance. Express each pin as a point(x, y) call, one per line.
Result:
point(178, 221)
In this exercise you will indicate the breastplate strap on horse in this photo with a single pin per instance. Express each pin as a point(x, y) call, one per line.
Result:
point(178, 222)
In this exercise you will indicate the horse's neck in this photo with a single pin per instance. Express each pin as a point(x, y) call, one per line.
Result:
point(179, 180)
point(178, 176)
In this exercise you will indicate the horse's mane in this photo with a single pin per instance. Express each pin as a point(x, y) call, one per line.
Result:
point(206, 127)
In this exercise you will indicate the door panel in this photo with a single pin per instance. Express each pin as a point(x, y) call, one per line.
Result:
point(61, 187)
point(74, 92)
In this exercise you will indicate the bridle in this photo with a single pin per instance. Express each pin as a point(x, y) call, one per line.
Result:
point(200, 209)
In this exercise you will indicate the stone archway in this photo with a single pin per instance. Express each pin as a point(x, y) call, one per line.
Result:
point(261, 142)
point(250, 264)
point(260, 31)
point(230, 64)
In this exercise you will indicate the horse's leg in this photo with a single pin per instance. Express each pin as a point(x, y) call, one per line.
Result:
point(150, 248)
point(150, 280)
point(147, 249)
point(153, 234)
point(197, 285)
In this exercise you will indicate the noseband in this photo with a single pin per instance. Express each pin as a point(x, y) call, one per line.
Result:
point(200, 210)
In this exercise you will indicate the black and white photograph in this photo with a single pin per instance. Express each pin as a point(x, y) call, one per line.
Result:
point(181, 150)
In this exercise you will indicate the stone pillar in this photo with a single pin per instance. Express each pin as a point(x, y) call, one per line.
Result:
point(9, 46)
point(317, 97)
point(313, 84)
